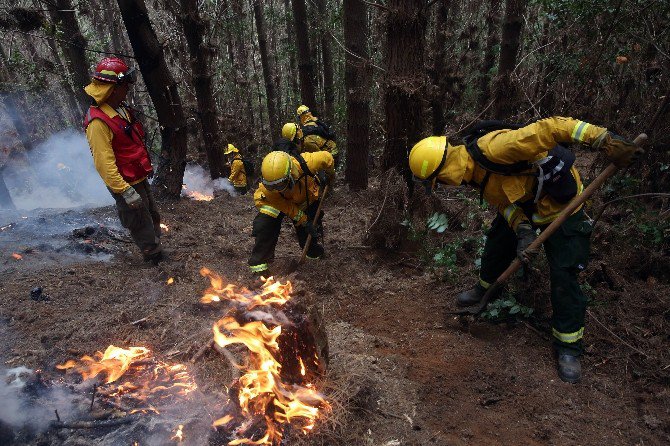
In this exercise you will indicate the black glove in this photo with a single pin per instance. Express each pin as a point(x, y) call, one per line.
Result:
point(525, 235)
point(321, 178)
point(311, 230)
point(620, 151)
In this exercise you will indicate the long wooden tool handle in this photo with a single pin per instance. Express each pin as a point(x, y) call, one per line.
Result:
point(308, 242)
point(564, 215)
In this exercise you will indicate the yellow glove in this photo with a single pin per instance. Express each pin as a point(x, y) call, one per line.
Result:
point(620, 151)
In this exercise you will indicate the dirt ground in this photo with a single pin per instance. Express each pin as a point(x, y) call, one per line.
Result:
point(401, 372)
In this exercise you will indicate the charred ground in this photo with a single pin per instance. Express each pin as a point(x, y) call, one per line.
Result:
point(401, 372)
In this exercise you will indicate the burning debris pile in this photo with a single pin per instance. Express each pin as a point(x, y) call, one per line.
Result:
point(277, 392)
point(200, 187)
point(134, 381)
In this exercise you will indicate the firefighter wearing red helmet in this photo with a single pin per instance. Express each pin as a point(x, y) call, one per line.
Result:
point(116, 139)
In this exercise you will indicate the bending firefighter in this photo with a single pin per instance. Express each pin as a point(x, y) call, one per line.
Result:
point(238, 173)
point(116, 139)
point(290, 187)
point(529, 178)
point(312, 134)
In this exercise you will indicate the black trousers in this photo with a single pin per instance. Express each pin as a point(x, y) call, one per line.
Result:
point(144, 222)
point(266, 230)
point(567, 254)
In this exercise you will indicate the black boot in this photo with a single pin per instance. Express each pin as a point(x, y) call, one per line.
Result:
point(569, 368)
point(471, 297)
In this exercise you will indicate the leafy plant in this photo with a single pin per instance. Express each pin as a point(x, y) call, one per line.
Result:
point(506, 307)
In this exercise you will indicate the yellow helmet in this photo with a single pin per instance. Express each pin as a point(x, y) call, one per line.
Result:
point(290, 130)
point(427, 157)
point(302, 109)
point(230, 149)
point(276, 171)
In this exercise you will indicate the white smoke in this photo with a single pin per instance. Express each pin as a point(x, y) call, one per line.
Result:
point(61, 174)
point(198, 179)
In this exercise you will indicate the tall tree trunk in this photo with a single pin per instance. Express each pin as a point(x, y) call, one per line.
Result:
point(274, 68)
point(327, 60)
point(200, 52)
point(489, 61)
point(291, 56)
point(270, 87)
point(357, 85)
point(405, 83)
point(6, 201)
point(163, 92)
point(438, 79)
point(305, 65)
point(242, 77)
point(73, 45)
point(506, 91)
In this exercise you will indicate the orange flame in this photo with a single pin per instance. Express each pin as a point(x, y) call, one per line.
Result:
point(195, 195)
point(170, 281)
point(17, 256)
point(179, 435)
point(262, 394)
point(146, 379)
point(165, 227)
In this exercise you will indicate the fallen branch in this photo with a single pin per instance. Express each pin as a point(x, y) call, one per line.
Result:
point(617, 337)
point(93, 424)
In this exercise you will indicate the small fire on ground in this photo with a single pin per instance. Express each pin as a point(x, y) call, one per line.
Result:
point(278, 386)
point(134, 380)
point(195, 195)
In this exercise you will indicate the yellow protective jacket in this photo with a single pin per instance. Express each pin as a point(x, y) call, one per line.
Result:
point(529, 143)
point(99, 137)
point(293, 202)
point(316, 143)
point(238, 175)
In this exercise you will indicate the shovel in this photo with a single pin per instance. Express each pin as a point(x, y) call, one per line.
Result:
point(544, 235)
point(294, 266)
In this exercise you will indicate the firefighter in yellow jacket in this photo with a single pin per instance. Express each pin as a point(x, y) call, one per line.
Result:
point(529, 178)
point(238, 174)
point(289, 188)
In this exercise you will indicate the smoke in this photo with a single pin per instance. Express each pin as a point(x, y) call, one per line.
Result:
point(198, 179)
point(60, 174)
point(24, 396)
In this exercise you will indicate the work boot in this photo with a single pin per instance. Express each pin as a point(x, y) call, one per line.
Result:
point(471, 297)
point(569, 368)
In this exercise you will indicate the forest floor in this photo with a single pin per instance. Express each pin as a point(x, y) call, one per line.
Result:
point(410, 374)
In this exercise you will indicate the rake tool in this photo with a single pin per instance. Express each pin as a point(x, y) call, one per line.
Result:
point(308, 242)
point(565, 213)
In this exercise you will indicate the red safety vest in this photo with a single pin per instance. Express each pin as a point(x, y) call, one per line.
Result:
point(132, 158)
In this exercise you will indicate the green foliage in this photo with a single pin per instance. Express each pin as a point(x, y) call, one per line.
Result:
point(505, 308)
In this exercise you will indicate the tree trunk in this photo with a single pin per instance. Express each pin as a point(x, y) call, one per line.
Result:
point(291, 57)
point(270, 86)
point(506, 91)
point(242, 77)
point(357, 85)
point(405, 82)
point(328, 82)
point(489, 61)
point(6, 201)
point(163, 92)
point(438, 79)
point(73, 45)
point(305, 65)
point(200, 52)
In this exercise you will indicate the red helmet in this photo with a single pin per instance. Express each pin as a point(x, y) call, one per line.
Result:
point(114, 70)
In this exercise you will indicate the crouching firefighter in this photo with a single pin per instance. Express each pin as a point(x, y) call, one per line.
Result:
point(116, 139)
point(289, 187)
point(527, 175)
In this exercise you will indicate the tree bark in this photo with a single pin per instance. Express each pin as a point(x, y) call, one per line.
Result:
point(200, 52)
point(326, 54)
point(73, 45)
point(357, 84)
point(489, 61)
point(405, 82)
point(438, 79)
point(242, 77)
point(305, 65)
point(270, 86)
point(506, 91)
point(163, 92)
point(291, 56)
